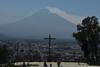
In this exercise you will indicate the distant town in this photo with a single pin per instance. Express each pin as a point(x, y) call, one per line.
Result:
point(37, 50)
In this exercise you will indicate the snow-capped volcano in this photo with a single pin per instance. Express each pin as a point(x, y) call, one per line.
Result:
point(46, 21)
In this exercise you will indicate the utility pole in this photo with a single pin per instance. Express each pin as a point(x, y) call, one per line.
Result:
point(16, 53)
point(49, 50)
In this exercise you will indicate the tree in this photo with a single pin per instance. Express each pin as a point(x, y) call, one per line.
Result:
point(88, 36)
point(3, 54)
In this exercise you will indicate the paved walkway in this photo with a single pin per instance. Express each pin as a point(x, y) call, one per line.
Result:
point(54, 64)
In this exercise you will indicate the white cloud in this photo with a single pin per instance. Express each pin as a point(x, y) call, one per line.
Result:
point(69, 17)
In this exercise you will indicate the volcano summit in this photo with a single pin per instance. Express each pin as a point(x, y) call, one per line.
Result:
point(46, 21)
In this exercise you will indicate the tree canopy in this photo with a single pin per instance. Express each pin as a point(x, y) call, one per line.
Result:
point(3, 54)
point(88, 35)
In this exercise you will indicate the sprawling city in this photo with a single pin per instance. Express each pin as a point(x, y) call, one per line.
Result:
point(25, 50)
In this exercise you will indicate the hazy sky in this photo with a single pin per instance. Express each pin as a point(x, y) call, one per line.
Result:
point(12, 10)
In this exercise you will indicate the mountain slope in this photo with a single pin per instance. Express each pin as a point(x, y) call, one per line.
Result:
point(39, 25)
point(68, 17)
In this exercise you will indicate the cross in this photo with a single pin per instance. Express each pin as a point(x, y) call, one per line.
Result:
point(49, 38)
